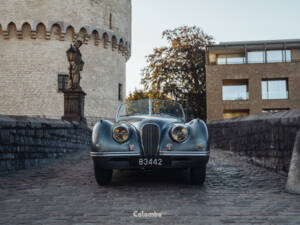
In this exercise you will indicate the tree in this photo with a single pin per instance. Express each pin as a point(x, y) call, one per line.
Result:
point(140, 94)
point(178, 70)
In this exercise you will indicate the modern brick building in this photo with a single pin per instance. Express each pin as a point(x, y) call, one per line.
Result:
point(252, 77)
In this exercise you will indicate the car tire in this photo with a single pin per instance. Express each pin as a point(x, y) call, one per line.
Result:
point(197, 175)
point(103, 176)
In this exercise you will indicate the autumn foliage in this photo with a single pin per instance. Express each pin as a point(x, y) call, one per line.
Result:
point(178, 70)
point(140, 94)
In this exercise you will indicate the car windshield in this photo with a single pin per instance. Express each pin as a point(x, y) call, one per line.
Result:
point(151, 107)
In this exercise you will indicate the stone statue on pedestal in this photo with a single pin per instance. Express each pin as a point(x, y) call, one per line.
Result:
point(73, 95)
point(76, 65)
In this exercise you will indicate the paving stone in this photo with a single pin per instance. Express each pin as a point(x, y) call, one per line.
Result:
point(65, 192)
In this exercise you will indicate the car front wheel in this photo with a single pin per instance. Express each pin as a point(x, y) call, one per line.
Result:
point(103, 176)
point(197, 175)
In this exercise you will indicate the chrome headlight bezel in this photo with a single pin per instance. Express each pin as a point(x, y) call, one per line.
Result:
point(117, 137)
point(177, 131)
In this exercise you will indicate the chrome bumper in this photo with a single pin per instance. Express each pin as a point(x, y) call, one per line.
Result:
point(114, 154)
point(184, 153)
point(164, 153)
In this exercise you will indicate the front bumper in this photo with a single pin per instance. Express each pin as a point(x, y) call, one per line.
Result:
point(128, 160)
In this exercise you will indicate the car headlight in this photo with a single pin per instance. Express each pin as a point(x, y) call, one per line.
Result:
point(121, 133)
point(179, 133)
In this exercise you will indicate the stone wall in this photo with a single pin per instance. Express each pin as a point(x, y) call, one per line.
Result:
point(29, 142)
point(266, 139)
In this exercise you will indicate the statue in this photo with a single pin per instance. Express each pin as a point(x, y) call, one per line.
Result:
point(73, 95)
point(76, 65)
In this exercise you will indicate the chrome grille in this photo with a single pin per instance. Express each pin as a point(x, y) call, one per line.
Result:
point(150, 139)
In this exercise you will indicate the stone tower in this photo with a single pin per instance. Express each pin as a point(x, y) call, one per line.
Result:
point(34, 37)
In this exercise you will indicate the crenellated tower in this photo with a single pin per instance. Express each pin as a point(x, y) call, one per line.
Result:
point(34, 36)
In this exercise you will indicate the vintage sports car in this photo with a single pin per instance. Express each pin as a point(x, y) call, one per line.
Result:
point(149, 134)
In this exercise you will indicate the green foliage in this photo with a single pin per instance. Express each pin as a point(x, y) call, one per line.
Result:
point(178, 70)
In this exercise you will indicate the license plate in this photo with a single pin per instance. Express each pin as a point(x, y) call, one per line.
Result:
point(150, 162)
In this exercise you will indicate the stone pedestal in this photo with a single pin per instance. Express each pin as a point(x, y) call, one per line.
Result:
point(74, 105)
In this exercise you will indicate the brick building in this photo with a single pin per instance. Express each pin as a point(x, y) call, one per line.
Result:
point(252, 77)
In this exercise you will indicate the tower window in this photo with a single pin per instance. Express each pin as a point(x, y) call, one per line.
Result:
point(110, 21)
point(120, 90)
point(62, 81)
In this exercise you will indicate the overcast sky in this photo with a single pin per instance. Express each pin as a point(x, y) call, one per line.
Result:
point(226, 20)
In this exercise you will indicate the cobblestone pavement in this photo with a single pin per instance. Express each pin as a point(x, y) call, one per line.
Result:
point(65, 192)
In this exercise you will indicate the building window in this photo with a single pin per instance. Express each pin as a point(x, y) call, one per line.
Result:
point(110, 21)
point(274, 110)
point(62, 81)
point(256, 57)
point(288, 56)
point(274, 88)
point(230, 59)
point(120, 90)
point(275, 56)
point(228, 114)
point(235, 89)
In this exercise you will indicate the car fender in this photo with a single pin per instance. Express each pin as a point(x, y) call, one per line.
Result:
point(102, 139)
point(198, 137)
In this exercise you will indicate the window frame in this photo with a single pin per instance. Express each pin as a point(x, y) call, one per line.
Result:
point(275, 79)
point(236, 82)
point(120, 92)
point(110, 21)
point(62, 80)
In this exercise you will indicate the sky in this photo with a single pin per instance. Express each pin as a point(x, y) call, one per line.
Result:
point(225, 20)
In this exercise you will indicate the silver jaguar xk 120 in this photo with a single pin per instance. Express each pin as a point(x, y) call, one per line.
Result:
point(150, 134)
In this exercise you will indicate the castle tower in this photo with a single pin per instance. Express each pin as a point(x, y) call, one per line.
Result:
point(34, 37)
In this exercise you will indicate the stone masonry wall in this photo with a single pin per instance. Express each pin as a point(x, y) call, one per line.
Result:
point(34, 37)
point(27, 142)
point(266, 139)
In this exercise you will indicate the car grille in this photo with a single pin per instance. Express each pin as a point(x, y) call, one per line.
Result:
point(150, 139)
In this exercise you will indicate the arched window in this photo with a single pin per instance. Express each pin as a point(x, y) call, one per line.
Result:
point(95, 37)
point(105, 40)
point(114, 43)
point(26, 30)
point(12, 30)
point(55, 32)
point(41, 31)
point(121, 45)
point(83, 35)
point(70, 34)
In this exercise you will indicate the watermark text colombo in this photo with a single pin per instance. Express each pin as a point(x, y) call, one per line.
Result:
point(142, 214)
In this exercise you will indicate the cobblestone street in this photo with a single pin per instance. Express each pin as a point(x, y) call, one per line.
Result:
point(65, 192)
